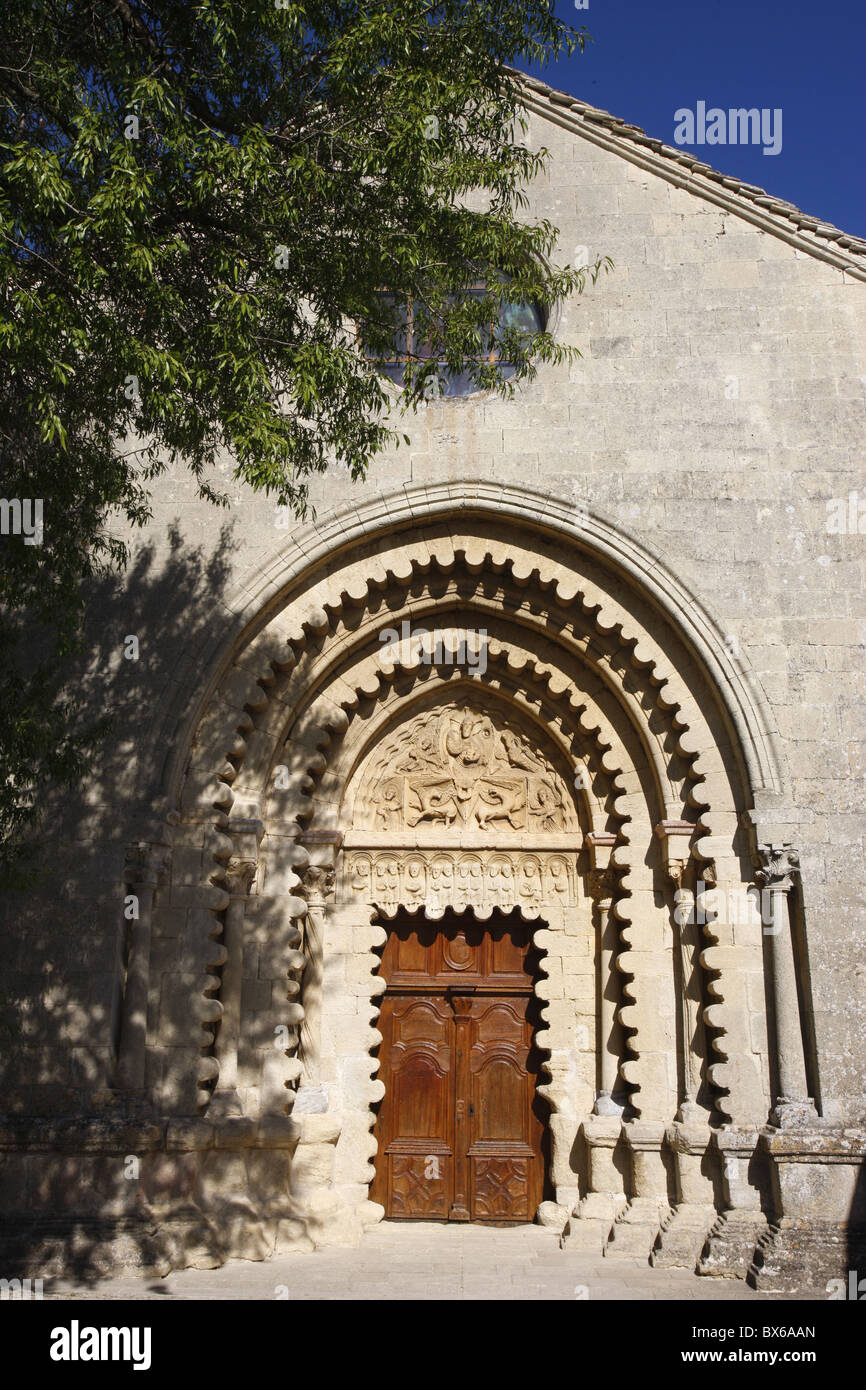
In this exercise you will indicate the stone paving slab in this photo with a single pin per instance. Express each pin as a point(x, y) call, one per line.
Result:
point(420, 1260)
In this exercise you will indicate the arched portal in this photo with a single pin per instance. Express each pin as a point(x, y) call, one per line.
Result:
point(454, 701)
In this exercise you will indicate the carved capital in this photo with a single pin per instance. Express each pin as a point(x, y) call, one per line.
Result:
point(777, 867)
point(675, 870)
point(675, 836)
point(317, 882)
point(145, 863)
point(240, 874)
point(600, 884)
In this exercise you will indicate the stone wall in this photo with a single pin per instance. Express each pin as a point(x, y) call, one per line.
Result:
point(716, 413)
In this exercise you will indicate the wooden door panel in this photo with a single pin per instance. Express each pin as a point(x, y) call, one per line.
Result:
point(420, 1186)
point(505, 1153)
point(499, 1101)
point(502, 1189)
point(458, 1132)
point(414, 1129)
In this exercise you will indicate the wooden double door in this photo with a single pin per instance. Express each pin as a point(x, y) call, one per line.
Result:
point(460, 1129)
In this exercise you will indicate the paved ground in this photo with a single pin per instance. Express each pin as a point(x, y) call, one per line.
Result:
point(426, 1261)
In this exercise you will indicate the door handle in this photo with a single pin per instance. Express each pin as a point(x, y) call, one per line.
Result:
point(471, 1108)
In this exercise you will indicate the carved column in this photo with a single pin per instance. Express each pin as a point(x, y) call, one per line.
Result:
point(327, 1217)
point(144, 864)
point(318, 886)
point(601, 883)
point(776, 874)
point(688, 1138)
point(591, 1223)
point(815, 1168)
point(240, 875)
point(675, 836)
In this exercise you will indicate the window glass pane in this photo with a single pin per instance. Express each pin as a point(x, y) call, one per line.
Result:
point(513, 317)
point(520, 318)
point(400, 315)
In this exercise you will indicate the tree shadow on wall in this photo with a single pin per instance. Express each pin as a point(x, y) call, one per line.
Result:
point(63, 932)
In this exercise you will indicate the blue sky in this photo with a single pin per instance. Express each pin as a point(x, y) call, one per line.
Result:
point(809, 60)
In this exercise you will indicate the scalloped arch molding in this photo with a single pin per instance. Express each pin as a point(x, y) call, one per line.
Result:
point(269, 587)
point(602, 774)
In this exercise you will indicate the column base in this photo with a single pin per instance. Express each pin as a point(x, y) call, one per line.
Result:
point(730, 1245)
point(818, 1228)
point(635, 1230)
point(590, 1226)
point(683, 1236)
point(804, 1256)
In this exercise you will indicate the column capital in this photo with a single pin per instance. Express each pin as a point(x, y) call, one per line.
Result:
point(240, 875)
point(145, 863)
point(600, 885)
point(600, 844)
point(777, 867)
point(317, 884)
point(675, 836)
point(246, 833)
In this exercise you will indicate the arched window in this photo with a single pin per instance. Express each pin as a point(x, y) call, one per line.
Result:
point(407, 344)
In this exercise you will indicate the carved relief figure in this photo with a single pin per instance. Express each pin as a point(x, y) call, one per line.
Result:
point(456, 767)
point(441, 880)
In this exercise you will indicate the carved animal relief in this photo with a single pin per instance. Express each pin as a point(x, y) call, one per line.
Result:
point(454, 768)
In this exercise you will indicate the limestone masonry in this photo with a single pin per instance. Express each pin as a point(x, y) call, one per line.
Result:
point(638, 724)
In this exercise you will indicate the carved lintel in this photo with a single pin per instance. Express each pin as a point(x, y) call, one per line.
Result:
point(436, 880)
point(240, 875)
point(317, 883)
point(777, 867)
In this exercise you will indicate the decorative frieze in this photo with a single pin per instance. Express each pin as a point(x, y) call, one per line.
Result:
point(436, 881)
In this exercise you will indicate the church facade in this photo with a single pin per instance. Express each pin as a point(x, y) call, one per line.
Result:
point(489, 848)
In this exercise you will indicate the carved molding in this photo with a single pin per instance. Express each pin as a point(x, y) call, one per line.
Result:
point(654, 688)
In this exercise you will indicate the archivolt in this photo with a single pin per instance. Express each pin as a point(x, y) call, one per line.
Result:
point(584, 631)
